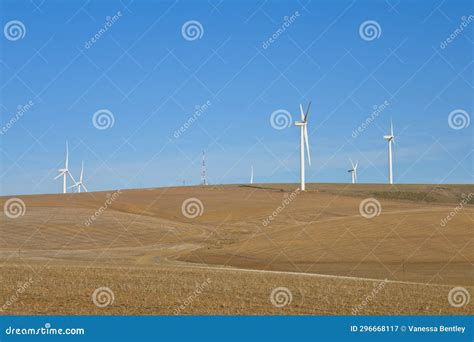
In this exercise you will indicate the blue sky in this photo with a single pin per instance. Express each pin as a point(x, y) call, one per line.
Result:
point(144, 71)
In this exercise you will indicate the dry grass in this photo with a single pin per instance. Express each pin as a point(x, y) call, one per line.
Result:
point(147, 252)
point(68, 289)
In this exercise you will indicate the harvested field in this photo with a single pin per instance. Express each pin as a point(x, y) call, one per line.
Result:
point(326, 251)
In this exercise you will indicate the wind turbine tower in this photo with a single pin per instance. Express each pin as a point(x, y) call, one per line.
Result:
point(353, 171)
point(65, 171)
point(391, 140)
point(80, 184)
point(303, 124)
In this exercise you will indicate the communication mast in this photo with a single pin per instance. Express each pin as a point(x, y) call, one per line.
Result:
point(203, 169)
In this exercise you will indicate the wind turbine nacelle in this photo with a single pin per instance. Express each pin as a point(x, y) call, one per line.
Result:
point(388, 137)
point(300, 123)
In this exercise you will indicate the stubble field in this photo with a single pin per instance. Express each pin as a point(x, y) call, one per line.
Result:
point(262, 249)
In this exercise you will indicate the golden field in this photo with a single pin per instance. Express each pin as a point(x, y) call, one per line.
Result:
point(328, 257)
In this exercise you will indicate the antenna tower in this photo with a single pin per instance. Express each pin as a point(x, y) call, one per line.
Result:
point(203, 169)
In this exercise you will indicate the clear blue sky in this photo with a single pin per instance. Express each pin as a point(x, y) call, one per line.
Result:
point(151, 78)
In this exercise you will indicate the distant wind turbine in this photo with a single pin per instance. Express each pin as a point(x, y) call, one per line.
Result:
point(80, 183)
point(303, 124)
point(353, 171)
point(251, 174)
point(65, 171)
point(391, 140)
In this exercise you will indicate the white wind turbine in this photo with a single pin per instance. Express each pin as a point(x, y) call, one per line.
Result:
point(303, 124)
point(390, 139)
point(353, 171)
point(251, 174)
point(80, 183)
point(65, 171)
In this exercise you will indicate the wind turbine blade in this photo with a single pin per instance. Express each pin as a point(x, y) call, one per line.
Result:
point(301, 112)
point(72, 186)
point(84, 187)
point(391, 127)
point(305, 133)
point(59, 175)
point(70, 175)
point(352, 164)
point(67, 154)
point(82, 171)
point(307, 112)
point(357, 163)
